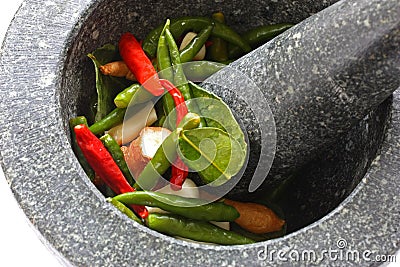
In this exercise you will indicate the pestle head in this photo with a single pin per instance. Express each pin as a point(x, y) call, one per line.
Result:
point(319, 78)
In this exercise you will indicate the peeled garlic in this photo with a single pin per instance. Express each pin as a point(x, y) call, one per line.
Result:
point(189, 189)
point(130, 128)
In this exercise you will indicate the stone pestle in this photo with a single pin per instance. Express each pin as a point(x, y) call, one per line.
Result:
point(319, 78)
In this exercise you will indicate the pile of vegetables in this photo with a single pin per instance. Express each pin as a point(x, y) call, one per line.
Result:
point(148, 128)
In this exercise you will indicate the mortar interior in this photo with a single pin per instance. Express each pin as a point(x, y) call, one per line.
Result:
point(305, 196)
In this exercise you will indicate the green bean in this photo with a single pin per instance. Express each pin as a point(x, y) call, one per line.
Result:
point(78, 152)
point(196, 24)
point(191, 49)
point(166, 153)
point(218, 51)
point(196, 230)
point(191, 208)
point(118, 156)
point(114, 118)
point(257, 36)
point(123, 99)
point(125, 210)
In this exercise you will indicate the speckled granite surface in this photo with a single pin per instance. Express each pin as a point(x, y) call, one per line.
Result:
point(319, 78)
point(321, 185)
point(69, 212)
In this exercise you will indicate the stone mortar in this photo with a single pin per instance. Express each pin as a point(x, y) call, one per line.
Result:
point(44, 82)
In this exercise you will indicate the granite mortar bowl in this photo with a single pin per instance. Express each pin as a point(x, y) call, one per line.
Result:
point(325, 201)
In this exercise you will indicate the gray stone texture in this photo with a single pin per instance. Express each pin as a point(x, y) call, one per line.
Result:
point(320, 78)
point(45, 80)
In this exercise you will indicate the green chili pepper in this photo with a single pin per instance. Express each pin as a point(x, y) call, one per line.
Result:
point(124, 209)
point(187, 207)
point(165, 68)
point(191, 49)
point(261, 34)
point(78, 152)
point(163, 57)
point(196, 230)
point(257, 36)
point(166, 153)
point(227, 62)
point(154, 62)
point(114, 118)
point(141, 96)
point(218, 51)
point(123, 99)
point(116, 152)
point(159, 108)
point(169, 106)
point(160, 122)
point(196, 24)
point(106, 191)
point(198, 71)
point(190, 121)
point(134, 93)
point(107, 87)
point(179, 76)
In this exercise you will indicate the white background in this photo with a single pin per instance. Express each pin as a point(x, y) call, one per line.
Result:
point(19, 244)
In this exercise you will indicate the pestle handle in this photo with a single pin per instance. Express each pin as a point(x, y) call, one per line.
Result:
point(325, 74)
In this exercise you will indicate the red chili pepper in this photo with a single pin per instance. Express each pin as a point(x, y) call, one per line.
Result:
point(103, 164)
point(139, 64)
point(179, 100)
point(179, 169)
point(179, 173)
point(208, 43)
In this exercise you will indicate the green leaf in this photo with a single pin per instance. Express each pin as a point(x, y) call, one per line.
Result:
point(211, 152)
point(216, 113)
point(107, 86)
